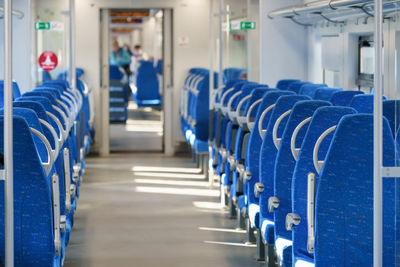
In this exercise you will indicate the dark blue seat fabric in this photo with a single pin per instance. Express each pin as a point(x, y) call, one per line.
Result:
point(326, 93)
point(33, 234)
point(233, 74)
point(391, 110)
point(253, 153)
point(267, 161)
point(16, 92)
point(285, 84)
point(344, 98)
point(159, 67)
point(310, 89)
point(296, 86)
point(363, 103)
point(344, 197)
point(284, 166)
point(147, 94)
point(115, 73)
point(322, 119)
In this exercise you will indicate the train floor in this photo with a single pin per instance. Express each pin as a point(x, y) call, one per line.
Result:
point(147, 209)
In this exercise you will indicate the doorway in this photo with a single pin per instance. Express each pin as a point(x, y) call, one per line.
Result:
point(135, 77)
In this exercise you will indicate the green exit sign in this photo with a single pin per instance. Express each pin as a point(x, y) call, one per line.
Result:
point(247, 25)
point(237, 25)
point(42, 26)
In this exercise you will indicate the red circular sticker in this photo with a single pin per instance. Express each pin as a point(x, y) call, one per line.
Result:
point(48, 60)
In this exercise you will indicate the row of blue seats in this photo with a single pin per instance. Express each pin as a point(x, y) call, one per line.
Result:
point(267, 146)
point(51, 139)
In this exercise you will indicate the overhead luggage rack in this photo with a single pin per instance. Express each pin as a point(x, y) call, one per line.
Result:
point(333, 11)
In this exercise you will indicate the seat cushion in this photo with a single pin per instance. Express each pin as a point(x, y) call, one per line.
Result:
point(283, 249)
point(302, 263)
point(267, 230)
point(254, 215)
point(200, 146)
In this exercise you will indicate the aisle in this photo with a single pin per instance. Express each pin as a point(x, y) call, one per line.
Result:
point(151, 210)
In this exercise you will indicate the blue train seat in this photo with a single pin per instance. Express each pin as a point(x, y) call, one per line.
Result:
point(344, 197)
point(284, 166)
point(233, 74)
point(326, 93)
point(391, 110)
point(344, 98)
point(322, 119)
point(16, 91)
point(33, 193)
point(296, 86)
point(285, 84)
point(147, 94)
point(310, 89)
point(265, 188)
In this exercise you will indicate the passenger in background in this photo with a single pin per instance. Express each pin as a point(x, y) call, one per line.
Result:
point(137, 56)
point(119, 56)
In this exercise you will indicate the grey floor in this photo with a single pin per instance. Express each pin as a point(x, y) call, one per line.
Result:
point(152, 210)
point(142, 131)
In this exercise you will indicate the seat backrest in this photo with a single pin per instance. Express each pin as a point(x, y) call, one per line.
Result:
point(296, 86)
point(32, 196)
point(310, 89)
point(147, 82)
point(326, 93)
point(363, 103)
point(115, 73)
point(285, 163)
point(16, 91)
point(322, 119)
point(285, 83)
point(344, 98)
point(344, 199)
point(254, 144)
point(391, 110)
point(268, 150)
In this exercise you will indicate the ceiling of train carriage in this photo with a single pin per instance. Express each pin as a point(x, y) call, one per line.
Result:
point(125, 21)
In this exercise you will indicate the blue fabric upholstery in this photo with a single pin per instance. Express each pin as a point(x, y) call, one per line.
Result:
point(363, 103)
point(233, 74)
point(33, 234)
point(344, 198)
point(310, 89)
point(285, 84)
point(284, 166)
point(391, 110)
point(253, 148)
point(268, 153)
point(147, 86)
point(16, 92)
point(326, 93)
point(296, 86)
point(344, 98)
point(323, 118)
point(115, 73)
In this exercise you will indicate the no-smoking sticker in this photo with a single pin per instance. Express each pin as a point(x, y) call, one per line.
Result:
point(48, 60)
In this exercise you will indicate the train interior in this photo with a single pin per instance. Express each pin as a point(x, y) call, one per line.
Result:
point(199, 133)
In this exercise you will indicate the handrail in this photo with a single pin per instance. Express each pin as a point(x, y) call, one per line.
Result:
point(318, 163)
point(57, 140)
point(260, 121)
point(16, 13)
point(277, 141)
point(295, 151)
point(250, 124)
point(46, 165)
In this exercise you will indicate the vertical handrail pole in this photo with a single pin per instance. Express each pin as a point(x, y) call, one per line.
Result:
point(211, 54)
point(378, 127)
point(8, 137)
point(72, 66)
point(220, 63)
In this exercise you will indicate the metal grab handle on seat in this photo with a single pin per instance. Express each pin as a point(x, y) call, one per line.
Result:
point(67, 178)
point(265, 112)
point(55, 190)
point(273, 203)
point(63, 132)
point(310, 211)
point(258, 188)
point(317, 163)
point(250, 124)
point(229, 108)
point(241, 103)
point(292, 219)
point(70, 114)
point(277, 141)
point(47, 165)
point(295, 151)
point(223, 98)
point(67, 125)
point(57, 140)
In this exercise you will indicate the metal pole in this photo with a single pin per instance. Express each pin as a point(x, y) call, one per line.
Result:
point(211, 53)
point(72, 67)
point(378, 88)
point(8, 137)
point(220, 65)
